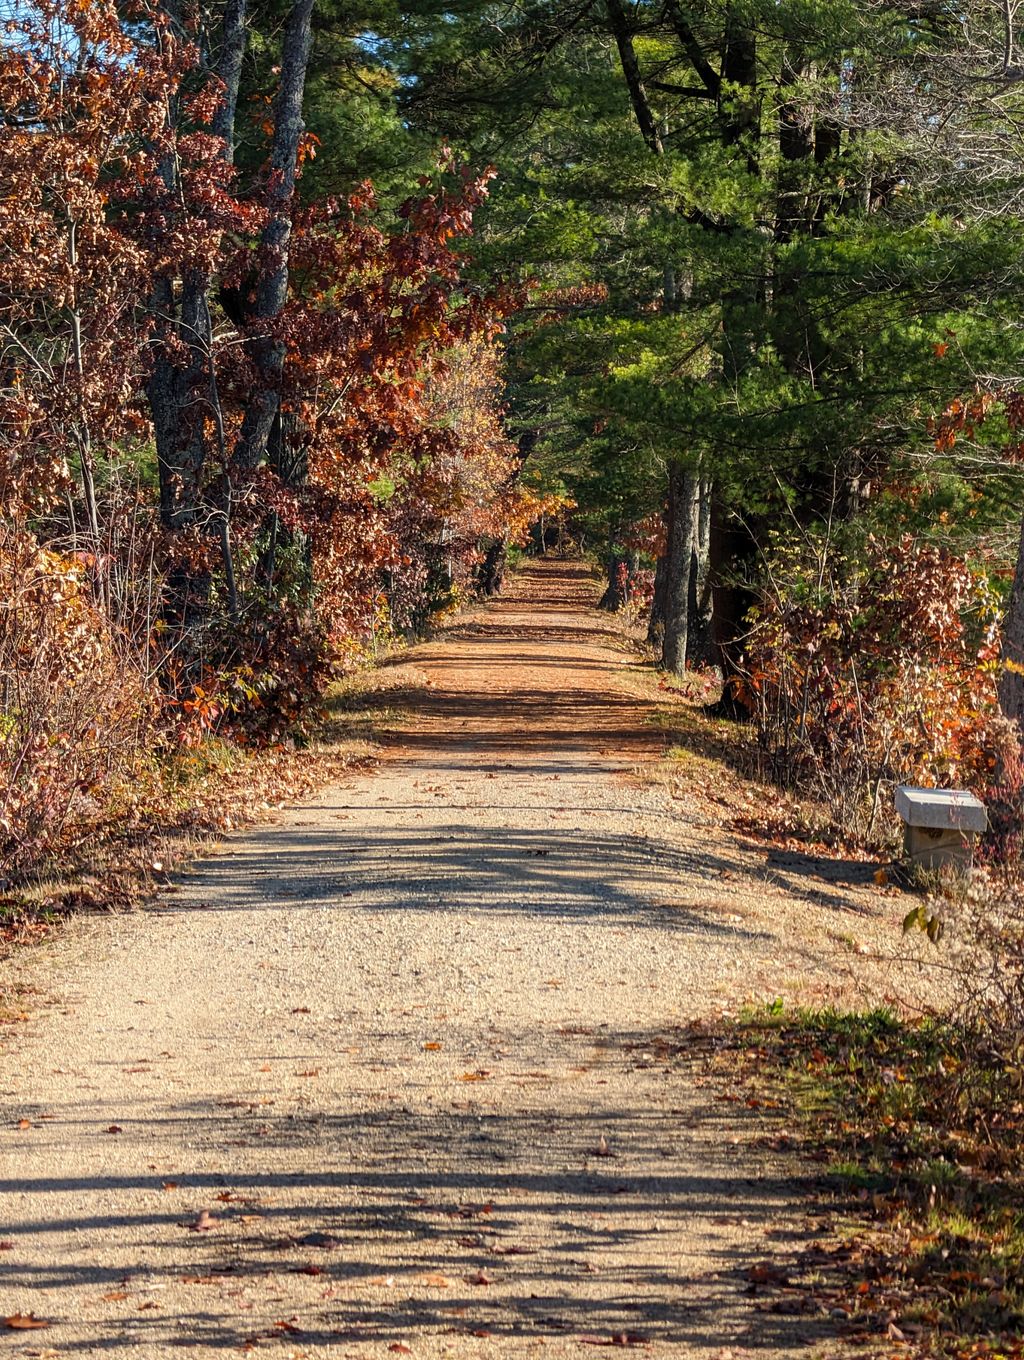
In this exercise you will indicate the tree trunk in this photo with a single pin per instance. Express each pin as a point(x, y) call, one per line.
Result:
point(700, 647)
point(656, 622)
point(229, 68)
point(614, 596)
point(177, 394)
point(1011, 679)
point(631, 72)
point(272, 288)
point(492, 569)
point(683, 488)
point(732, 552)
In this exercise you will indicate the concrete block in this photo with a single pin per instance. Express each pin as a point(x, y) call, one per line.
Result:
point(941, 825)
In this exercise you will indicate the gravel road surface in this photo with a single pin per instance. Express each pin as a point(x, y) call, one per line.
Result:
point(384, 1077)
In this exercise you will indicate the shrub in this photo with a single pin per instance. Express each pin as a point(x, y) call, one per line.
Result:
point(75, 707)
point(861, 675)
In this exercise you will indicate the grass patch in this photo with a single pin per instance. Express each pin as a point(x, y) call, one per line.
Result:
point(919, 1129)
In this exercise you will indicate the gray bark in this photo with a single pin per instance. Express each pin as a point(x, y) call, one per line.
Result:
point(272, 288)
point(683, 491)
point(176, 393)
point(700, 643)
point(229, 68)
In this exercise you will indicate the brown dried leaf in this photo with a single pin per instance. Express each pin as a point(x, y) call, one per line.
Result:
point(24, 1322)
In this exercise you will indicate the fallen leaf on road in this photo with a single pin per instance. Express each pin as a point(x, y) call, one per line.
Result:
point(432, 1048)
point(24, 1322)
point(6, 1246)
point(764, 1272)
point(115, 1296)
point(478, 1278)
point(24, 1124)
point(312, 1072)
point(114, 1128)
point(436, 1281)
point(204, 1223)
point(170, 1185)
point(400, 1348)
point(602, 1149)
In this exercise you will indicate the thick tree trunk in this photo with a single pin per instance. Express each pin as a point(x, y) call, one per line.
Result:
point(229, 68)
point(700, 647)
point(614, 596)
point(492, 570)
point(1011, 680)
point(272, 288)
point(732, 551)
point(176, 393)
point(683, 489)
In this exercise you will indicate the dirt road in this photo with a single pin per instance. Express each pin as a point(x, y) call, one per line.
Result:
point(382, 1078)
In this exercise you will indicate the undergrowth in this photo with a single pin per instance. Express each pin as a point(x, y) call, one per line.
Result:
point(919, 1127)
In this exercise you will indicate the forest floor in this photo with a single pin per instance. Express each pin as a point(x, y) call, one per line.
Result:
point(412, 1069)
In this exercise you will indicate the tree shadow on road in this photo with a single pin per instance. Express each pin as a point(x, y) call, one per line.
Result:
point(415, 1224)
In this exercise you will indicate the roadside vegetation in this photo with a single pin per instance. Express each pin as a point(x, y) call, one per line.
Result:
point(912, 1134)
